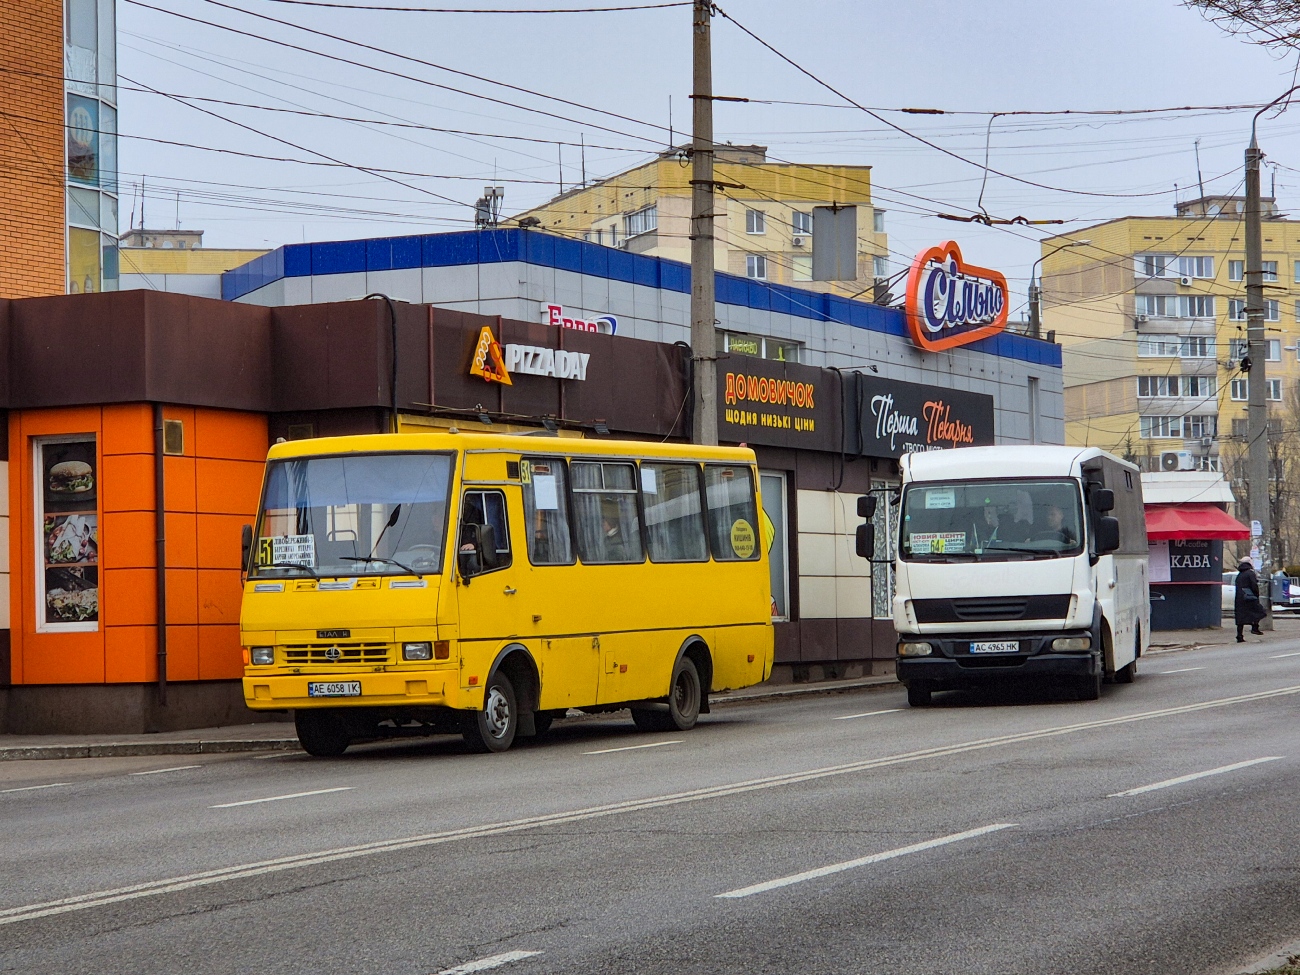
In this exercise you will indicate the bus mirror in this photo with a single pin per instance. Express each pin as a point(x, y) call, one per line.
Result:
point(1107, 535)
point(1103, 500)
point(478, 550)
point(487, 541)
point(867, 506)
point(246, 546)
point(866, 539)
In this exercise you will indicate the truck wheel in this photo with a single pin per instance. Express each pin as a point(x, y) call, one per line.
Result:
point(1089, 688)
point(1127, 674)
point(918, 695)
point(321, 733)
point(493, 729)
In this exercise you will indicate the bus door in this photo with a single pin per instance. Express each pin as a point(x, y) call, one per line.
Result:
point(491, 597)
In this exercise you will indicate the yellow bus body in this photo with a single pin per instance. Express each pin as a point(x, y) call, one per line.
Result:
point(593, 634)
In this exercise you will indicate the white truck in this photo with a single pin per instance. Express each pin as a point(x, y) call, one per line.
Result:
point(1017, 563)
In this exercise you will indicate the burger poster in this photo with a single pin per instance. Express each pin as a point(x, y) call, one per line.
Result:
point(70, 531)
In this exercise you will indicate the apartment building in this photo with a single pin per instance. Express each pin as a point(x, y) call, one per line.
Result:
point(1150, 313)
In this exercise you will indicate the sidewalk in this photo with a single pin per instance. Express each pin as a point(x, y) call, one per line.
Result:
point(280, 736)
point(1167, 641)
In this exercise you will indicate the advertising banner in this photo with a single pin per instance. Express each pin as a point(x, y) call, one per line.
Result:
point(777, 404)
point(887, 418)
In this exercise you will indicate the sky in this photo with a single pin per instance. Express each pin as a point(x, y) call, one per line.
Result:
point(323, 108)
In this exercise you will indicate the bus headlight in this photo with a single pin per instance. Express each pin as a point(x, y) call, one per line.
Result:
point(1072, 643)
point(417, 651)
point(914, 649)
point(263, 656)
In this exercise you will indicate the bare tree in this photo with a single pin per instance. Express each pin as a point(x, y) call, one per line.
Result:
point(1271, 23)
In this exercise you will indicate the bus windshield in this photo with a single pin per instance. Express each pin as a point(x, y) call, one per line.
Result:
point(952, 521)
point(381, 514)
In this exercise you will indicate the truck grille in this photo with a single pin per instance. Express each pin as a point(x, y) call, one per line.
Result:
point(343, 653)
point(984, 609)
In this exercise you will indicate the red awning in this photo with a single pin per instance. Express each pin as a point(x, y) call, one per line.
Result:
point(1184, 521)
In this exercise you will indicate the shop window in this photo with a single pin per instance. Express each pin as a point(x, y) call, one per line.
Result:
point(774, 536)
point(83, 139)
point(733, 521)
point(546, 511)
point(674, 516)
point(605, 512)
point(83, 261)
point(489, 508)
point(67, 532)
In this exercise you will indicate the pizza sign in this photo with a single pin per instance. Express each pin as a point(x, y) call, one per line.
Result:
point(950, 302)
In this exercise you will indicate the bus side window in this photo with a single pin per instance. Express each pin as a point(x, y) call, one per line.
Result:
point(489, 508)
point(546, 511)
point(733, 517)
point(674, 518)
point(605, 512)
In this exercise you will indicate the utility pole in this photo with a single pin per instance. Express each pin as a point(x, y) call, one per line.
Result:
point(704, 341)
point(1256, 350)
point(1035, 309)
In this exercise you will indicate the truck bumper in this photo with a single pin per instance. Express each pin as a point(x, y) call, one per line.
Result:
point(412, 688)
point(951, 665)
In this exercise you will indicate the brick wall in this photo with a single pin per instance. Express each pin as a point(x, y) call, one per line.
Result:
point(32, 259)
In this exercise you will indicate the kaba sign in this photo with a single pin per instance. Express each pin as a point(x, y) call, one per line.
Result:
point(950, 302)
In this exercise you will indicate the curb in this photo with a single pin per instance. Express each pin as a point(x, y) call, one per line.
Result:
point(119, 749)
point(808, 690)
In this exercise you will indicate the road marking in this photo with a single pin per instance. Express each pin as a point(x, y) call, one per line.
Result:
point(32, 788)
point(1278, 655)
point(866, 714)
point(159, 771)
point(291, 795)
point(484, 964)
point(1191, 778)
point(798, 878)
point(628, 748)
point(1181, 670)
point(169, 885)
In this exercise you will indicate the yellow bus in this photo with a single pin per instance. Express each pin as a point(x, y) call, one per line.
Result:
point(428, 583)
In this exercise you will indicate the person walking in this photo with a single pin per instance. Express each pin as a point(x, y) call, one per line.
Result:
point(1247, 608)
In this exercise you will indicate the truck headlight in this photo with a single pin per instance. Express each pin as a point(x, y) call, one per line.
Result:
point(263, 656)
point(1072, 643)
point(914, 649)
point(417, 651)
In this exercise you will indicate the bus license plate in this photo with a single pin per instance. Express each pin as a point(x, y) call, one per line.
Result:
point(1005, 646)
point(335, 688)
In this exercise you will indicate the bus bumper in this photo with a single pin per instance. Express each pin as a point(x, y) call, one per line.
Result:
point(411, 688)
point(950, 664)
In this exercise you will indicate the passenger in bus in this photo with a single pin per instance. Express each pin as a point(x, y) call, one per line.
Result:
point(614, 544)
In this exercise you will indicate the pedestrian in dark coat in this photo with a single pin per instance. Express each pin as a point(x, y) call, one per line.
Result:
point(1247, 608)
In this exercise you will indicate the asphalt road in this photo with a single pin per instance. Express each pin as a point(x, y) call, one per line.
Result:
point(833, 834)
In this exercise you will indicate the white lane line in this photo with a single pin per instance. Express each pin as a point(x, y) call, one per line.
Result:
point(798, 878)
point(484, 964)
point(866, 714)
point(33, 788)
point(1181, 670)
point(258, 868)
point(628, 748)
point(1193, 777)
point(291, 795)
point(1276, 656)
point(159, 771)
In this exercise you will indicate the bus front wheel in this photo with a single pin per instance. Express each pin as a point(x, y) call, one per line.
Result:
point(684, 697)
point(321, 733)
point(493, 729)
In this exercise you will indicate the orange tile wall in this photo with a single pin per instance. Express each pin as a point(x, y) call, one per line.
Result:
point(211, 491)
point(32, 149)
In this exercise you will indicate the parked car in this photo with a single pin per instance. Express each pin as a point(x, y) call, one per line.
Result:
point(1229, 592)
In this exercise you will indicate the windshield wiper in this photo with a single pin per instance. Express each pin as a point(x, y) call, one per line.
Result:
point(1047, 553)
point(293, 565)
point(374, 558)
point(941, 556)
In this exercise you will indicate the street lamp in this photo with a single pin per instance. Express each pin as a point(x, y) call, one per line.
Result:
point(1036, 292)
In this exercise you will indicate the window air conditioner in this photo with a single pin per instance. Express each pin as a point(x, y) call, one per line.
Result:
point(1184, 281)
point(799, 241)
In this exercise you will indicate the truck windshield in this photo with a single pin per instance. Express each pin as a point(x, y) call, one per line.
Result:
point(952, 521)
point(356, 514)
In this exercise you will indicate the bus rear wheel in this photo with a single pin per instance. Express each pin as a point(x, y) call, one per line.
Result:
point(321, 733)
point(684, 697)
point(493, 729)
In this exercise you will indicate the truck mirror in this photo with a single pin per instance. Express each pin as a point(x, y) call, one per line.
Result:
point(1107, 535)
point(246, 547)
point(1103, 500)
point(867, 506)
point(866, 546)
